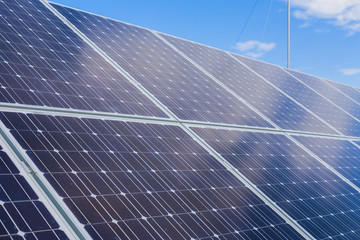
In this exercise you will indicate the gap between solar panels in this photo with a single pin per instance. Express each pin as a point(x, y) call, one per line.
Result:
point(8, 107)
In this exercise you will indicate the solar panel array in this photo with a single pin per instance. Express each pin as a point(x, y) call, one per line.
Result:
point(22, 213)
point(113, 131)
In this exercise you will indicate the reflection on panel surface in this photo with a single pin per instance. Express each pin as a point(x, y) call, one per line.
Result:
point(352, 92)
point(44, 63)
point(138, 180)
point(337, 97)
point(315, 197)
point(307, 97)
point(22, 214)
point(177, 83)
point(339, 154)
point(269, 101)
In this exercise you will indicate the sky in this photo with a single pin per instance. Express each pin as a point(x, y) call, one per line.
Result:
point(325, 34)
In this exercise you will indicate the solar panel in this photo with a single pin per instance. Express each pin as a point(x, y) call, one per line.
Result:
point(280, 109)
point(22, 213)
point(44, 63)
point(140, 180)
point(308, 191)
point(178, 84)
point(329, 92)
point(337, 118)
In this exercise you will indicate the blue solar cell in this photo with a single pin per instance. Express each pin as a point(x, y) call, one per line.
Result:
point(22, 214)
point(307, 97)
point(44, 63)
point(141, 180)
point(337, 97)
point(177, 83)
point(309, 192)
point(269, 101)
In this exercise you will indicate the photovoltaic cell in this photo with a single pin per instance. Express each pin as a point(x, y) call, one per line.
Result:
point(178, 84)
point(139, 180)
point(310, 193)
point(305, 96)
point(22, 214)
point(272, 103)
point(342, 155)
point(44, 63)
point(337, 97)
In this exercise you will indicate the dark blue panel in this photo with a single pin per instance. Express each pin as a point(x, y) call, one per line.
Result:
point(309, 192)
point(44, 63)
point(139, 180)
point(329, 92)
point(342, 155)
point(177, 83)
point(21, 212)
point(269, 101)
point(307, 97)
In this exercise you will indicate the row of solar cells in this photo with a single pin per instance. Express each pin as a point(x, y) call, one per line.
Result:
point(44, 63)
point(126, 180)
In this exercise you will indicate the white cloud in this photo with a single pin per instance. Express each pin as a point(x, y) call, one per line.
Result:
point(254, 48)
point(343, 13)
point(350, 71)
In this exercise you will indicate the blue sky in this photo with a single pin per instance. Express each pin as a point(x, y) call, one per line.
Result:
point(325, 34)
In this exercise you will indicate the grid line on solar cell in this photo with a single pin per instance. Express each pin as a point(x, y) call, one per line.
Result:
point(331, 94)
point(333, 85)
point(327, 165)
point(237, 79)
point(314, 196)
point(251, 185)
point(125, 180)
point(350, 91)
point(214, 78)
point(342, 155)
point(333, 129)
point(45, 63)
point(108, 59)
point(23, 213)
point(183, 88)
point(337, 118)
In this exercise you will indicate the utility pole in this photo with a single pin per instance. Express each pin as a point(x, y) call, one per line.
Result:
point(288, 37)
